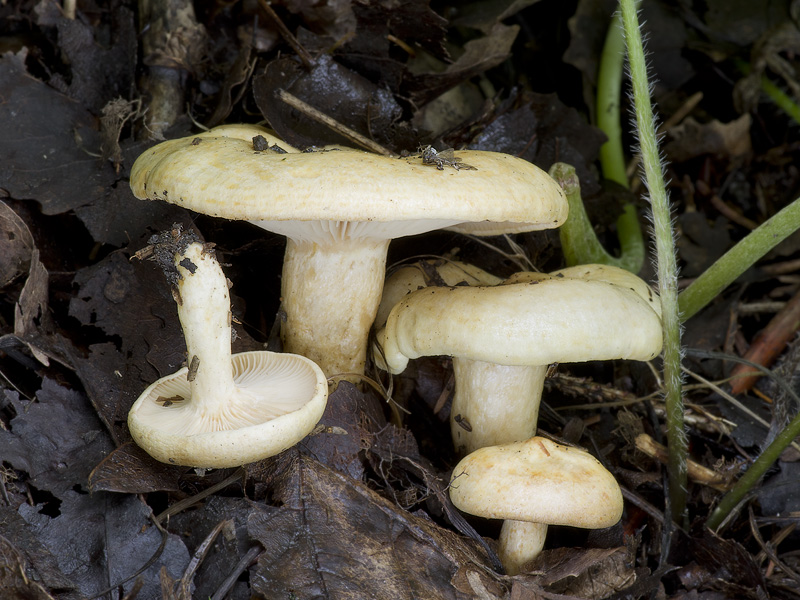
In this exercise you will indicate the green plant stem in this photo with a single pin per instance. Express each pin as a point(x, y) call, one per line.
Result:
point(754, 473)
point(609, 88)
point(776, 94)
point(666, 262)
point(738, 259)
point(612, 156)
point(578, 240)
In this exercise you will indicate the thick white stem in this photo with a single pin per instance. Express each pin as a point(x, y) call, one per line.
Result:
point(494, 404)
point(204, 309)
point(330, 295)
point(520, 542)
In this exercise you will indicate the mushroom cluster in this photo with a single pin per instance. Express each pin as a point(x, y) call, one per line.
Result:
point(502, 339)
point(339, 208)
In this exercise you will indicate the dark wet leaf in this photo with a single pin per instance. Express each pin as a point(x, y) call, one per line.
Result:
point(33, 324)
point(691, 139)
point(372, 53)
point(14, 581)
point(55, 439)
point(780, 494)
point(479, 55)
point(130, 470)
point(483, 14)
point(101, 539)
point(99, 70)
point(131, 303)
point(729, 563)
point(585, 572)
point(334, 18)
point(350, 421)
point(230, 546)
point(42, 160)
point(700, 243)
point(48, 140)
point(16, 245)
point(335, 538)
point(41, 565)
point(331, 89)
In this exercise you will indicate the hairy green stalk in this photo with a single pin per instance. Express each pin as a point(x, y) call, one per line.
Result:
point(738, 259)
point(666, 262)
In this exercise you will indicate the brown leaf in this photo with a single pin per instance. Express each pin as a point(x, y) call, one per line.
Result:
point(16, 245)
point(729, 563)
point(13, 578)
point(330, 88)
point(585, 572)
point(130, 470)
point(479, 55)
point(691, 139)
point(345, 430)
point(336, 538)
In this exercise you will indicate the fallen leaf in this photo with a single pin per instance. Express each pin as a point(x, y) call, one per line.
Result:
point(16, 245)
point(333, 537)
point(691, 139)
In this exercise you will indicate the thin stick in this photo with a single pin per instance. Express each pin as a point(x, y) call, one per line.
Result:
point(305, 57)
point(339, 128)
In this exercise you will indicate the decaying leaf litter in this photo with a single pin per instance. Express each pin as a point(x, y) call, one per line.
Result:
point(361, 506)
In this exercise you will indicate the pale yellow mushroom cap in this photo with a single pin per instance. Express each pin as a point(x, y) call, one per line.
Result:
point(546, 320)
point(537, 481)
point(219, 173)
point(411, 277)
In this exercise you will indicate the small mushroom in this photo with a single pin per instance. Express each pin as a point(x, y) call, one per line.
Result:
point(221, 410)
point(339, 209)
point(533, 484)
point(503, 338)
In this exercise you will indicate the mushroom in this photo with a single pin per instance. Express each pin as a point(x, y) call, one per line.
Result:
point(411, 277)
point(533, 484)
point(221, 410)
point(339, 209)
point(503, 338)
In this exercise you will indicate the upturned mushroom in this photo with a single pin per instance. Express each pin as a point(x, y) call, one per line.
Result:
point(221, 410)
point(339, 209)
point(503, 338)
point(533, 484)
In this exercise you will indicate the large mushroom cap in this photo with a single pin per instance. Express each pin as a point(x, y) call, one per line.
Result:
point(552, 318)
point(538, 481)
point(219, 173)
point(278, 400)
point(415, 276)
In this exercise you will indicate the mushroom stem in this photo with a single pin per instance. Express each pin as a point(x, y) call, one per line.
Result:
point(330, 295)
point(520, 542)
point(205, 315)
point(494, 404)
